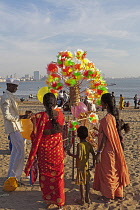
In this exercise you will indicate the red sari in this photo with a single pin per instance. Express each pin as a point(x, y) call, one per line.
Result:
point(50, 155)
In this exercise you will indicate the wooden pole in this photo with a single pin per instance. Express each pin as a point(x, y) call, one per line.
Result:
point(73, 141)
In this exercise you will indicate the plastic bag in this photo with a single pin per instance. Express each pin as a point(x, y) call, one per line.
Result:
point(10, 184)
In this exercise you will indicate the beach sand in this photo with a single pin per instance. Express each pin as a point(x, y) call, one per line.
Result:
point(29, 197)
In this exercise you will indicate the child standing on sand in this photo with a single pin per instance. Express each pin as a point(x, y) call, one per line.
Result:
point(84, 148)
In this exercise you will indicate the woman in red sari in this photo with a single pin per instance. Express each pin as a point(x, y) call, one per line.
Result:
point(111, 172)
point(48, 146)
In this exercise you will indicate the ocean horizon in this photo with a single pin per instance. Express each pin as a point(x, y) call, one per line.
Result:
point(128, 87)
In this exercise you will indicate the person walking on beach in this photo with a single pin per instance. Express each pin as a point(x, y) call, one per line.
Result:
point(84, 148)
point(13, 128)
point(113, 98)
point(111, 172)
point(135, 101)
point(47, 145)
point(121, 102)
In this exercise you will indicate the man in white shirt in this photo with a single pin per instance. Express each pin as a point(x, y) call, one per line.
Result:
point(13, 128)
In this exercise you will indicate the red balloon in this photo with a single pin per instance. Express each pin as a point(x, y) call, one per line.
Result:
point(52, 68)
point(77, 110)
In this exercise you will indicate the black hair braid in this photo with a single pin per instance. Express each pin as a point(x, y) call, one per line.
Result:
point(49, 102)
point(51, 115)
point(108, 99)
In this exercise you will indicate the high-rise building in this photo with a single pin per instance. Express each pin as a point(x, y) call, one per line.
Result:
point(36, 75)
point(27, 76)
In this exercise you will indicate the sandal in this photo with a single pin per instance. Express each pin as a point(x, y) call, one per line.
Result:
point(104, 199)
point(120, 198)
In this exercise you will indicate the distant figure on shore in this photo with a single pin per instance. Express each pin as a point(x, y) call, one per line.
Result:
point(22, 99)
point(30, 96)
point(121, 102)
point(113, 98)
point(135, 101)
point(128, 103)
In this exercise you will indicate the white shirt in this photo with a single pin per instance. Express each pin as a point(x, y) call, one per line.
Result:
point(10, 113)
point(60, 95)
point(65, 97)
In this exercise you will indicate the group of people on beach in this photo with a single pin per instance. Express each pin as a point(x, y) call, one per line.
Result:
point(123, 103)
point(111, 172)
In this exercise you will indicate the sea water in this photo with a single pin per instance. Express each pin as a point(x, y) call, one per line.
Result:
point(128, 87)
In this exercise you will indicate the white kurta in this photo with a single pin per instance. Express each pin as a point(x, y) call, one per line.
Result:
point(13, 128)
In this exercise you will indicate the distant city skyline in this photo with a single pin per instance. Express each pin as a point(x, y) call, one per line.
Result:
point(33, 32)
point(27, 77)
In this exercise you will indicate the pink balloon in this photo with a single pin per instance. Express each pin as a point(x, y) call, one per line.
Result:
point(77, 110)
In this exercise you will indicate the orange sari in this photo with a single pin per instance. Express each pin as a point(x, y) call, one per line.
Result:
point(111, 174)
point(50, 156)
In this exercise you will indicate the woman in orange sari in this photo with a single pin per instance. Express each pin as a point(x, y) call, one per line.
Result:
point(111, 172)
point(48, 146)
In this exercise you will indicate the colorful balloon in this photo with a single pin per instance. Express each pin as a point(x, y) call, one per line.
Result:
point(77, 110)
point(51, 68)
point(93, 118)
point(41, 92)
point(73, 125)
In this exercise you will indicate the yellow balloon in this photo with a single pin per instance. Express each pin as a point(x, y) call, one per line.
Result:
point(41, 92)
point(27, 127)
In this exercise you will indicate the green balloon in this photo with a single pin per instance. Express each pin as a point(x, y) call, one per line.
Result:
point(59, 62)
point(98, 101)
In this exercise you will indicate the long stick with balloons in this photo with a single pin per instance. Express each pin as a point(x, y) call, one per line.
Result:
point(79, 76)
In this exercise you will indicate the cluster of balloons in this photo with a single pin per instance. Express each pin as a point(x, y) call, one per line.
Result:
point(74, 68)
point(70, 69)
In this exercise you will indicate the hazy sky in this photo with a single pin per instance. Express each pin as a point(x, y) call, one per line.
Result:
point(32, 32)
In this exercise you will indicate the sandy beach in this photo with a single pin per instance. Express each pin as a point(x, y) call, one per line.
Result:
point(29, 197)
